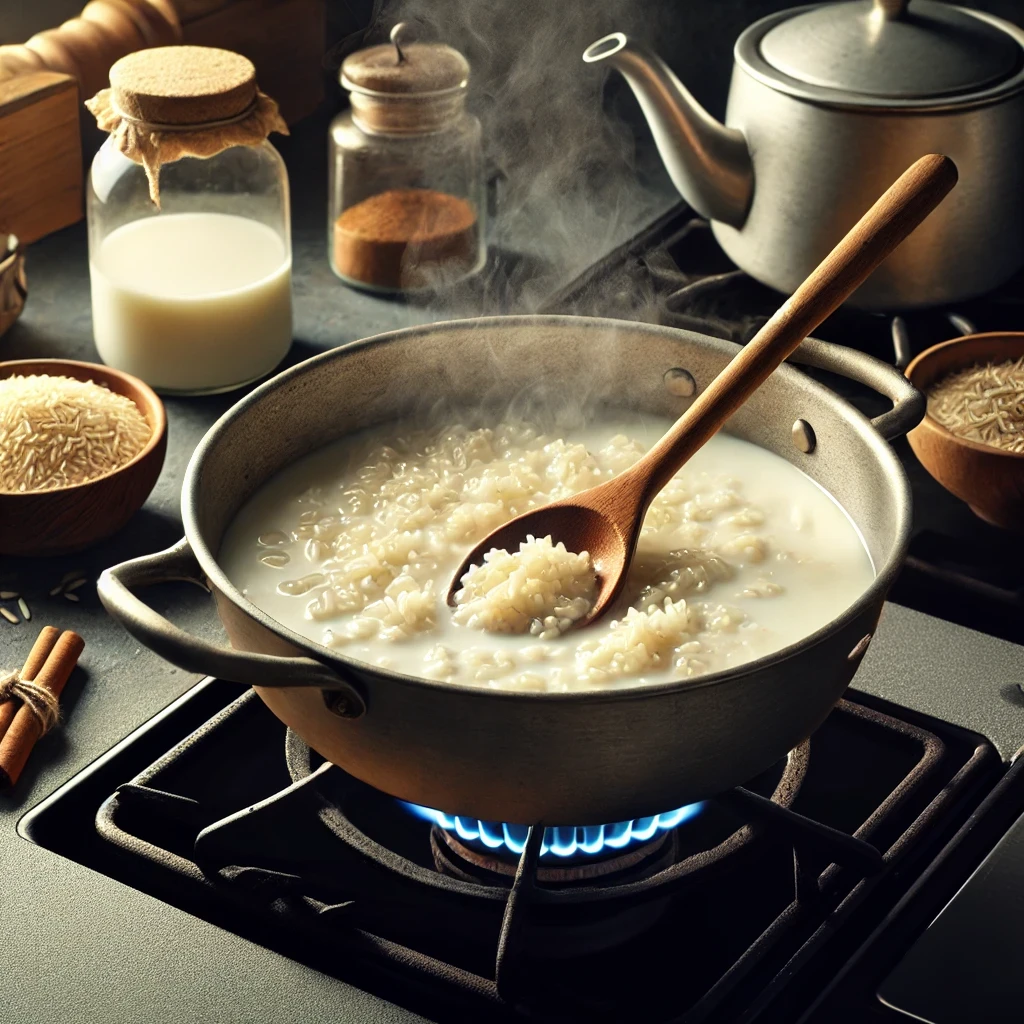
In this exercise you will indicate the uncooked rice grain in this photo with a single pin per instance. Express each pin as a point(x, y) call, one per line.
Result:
point(983, 403)
point(57, 432)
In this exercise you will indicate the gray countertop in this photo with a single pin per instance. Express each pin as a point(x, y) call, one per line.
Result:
point(83, 948)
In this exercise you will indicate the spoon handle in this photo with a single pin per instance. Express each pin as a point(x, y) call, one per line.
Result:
point(894, 216)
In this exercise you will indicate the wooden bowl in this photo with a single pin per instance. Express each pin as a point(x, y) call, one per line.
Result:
point(72, 518)
point(990, 480)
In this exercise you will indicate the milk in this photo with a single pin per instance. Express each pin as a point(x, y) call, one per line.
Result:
point(192, 302)
point(816, 555)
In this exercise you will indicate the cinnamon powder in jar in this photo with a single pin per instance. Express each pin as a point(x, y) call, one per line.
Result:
point(406, 238)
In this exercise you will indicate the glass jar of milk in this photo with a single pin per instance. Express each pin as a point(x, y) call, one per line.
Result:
point(189, 233)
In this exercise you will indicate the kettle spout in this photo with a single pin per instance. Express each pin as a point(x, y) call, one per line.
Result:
point(709, 163)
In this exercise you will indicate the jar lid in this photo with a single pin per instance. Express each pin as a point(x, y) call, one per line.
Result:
point(183, 85)
point(176, 101)
point(897, 49)
point(405, 69)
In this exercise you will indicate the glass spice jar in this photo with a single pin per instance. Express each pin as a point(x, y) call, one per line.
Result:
point(188, 217)
point(406, 170)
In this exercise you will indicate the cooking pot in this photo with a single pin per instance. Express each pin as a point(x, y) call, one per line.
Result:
point(554, 758)
point(828, 104)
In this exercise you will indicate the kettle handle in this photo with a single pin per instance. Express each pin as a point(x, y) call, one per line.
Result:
point(194, 655)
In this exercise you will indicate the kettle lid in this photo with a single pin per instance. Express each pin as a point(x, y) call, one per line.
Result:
point(895, 49)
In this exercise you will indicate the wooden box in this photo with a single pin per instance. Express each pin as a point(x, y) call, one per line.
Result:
point(40, 154)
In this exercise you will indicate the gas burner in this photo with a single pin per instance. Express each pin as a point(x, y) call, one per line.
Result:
point(475, 850)
point(318, 866)
point(591, 841)
point(686, 841)
point(463, 860)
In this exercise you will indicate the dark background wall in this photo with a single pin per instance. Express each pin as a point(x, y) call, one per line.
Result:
point(695, 36)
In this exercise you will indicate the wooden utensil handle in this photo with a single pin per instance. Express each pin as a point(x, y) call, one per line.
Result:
point(894, 216)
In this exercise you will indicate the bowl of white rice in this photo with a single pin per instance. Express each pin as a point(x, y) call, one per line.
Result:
point(81, 447)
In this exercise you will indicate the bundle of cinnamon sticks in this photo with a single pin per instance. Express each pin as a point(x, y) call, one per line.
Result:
point(49, 664)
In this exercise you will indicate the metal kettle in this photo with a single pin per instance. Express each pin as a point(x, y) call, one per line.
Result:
point(828, 103)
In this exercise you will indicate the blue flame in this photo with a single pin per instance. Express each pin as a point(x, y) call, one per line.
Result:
point(563, 841)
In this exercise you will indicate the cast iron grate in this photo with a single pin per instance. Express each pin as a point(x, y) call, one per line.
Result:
point(296, 866)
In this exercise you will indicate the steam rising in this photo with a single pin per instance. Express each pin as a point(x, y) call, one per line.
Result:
point(565, 168)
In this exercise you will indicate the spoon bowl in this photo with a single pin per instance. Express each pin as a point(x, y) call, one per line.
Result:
point(606, 520)
point(582, 524)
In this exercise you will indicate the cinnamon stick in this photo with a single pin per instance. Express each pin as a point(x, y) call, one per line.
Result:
point(35, 661)
point(21, 737)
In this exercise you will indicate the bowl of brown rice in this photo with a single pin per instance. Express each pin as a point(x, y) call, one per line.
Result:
point(972, 439)
point(81, 447)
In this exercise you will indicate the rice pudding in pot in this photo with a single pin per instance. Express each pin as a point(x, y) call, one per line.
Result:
point(354, 547)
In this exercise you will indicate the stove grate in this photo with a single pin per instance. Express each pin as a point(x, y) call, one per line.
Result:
point(368, 910)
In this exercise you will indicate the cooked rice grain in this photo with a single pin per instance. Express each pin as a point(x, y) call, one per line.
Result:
point(542, 588)
point(368, 559)
point(640, 642)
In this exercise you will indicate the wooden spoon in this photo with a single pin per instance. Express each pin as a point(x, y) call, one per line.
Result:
point(606, 520)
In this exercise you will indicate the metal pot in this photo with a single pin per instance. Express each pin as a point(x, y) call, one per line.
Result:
point(576, 758)
point(828, 104)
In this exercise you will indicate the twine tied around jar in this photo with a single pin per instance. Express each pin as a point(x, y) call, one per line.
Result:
point(171, 102)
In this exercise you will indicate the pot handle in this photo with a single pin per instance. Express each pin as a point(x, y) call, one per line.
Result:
point(908, 404)
point(194, 655)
